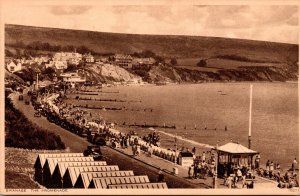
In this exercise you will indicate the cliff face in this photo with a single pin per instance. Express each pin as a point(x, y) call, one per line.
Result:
point(107, 73)
point(241, 74)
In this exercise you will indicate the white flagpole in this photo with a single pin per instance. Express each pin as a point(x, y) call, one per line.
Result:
point(250, 118)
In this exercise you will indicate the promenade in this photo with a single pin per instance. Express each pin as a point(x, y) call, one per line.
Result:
point(142, 164)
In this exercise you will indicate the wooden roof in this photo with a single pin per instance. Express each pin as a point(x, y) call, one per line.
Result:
point(236, 148)
point(102, 183)
point(41, 158)
point(87, 177)
point(52, 162)
point(63, 166)
point(74, 172)
point(159, 185)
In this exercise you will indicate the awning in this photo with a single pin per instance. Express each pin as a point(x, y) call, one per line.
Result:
point(235, 148)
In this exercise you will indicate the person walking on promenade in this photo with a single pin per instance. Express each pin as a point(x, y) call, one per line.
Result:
point(268, 165)
point(294, 165)
point(138, 150)
point(257, 160)
point(203, 156)
point(194, 150)
point(195, 171)
point(161, 176)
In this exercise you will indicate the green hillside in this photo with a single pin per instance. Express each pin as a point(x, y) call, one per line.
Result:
point(163, 45)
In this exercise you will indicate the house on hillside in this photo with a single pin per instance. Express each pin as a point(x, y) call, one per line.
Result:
point(41, 59)
point(14, 66)
point(138, 63)
point(123, 60)
point(71, 57)
point(73, 78)
point(88, 58)
point(57, 65)
point(102, 60)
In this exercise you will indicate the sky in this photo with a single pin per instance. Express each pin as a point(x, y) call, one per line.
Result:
point(277, 23)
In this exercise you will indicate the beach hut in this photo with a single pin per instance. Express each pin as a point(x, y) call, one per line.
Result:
point(72, 173)
point(233, 155)
point(51, 163)
point(41, 159)
point(102, 183)
point(85, 178)
point(185, 158)
point(159, 185)
point(61, 168)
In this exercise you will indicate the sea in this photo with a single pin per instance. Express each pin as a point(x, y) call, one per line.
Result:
point(201, 112)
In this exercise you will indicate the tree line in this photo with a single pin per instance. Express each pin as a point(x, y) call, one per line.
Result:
point(45, 46)
point(21, 133)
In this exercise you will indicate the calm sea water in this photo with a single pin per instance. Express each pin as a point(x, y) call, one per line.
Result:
point(213, 105)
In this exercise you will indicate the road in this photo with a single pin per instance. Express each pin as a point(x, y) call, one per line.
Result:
point(75, 143)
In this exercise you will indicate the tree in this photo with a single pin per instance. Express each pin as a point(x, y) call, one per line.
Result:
point(8, 53)
point(173, 61)
point(202, 63)
point(48, 71)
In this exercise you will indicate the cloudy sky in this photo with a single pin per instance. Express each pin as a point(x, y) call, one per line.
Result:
point(278, 23)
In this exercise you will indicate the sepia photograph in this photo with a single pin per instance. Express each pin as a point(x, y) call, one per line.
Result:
point(180, 97)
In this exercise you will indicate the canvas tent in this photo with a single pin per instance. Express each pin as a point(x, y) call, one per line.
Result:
point(85, 178)
point(234, 155)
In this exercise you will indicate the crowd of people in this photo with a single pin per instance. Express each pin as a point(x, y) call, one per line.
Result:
point(273, 171)
point(202, 167)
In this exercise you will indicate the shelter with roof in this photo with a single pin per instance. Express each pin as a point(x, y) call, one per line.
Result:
point(234, 155)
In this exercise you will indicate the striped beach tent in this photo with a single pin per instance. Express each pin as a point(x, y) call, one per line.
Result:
point(72, 173)
point(51, 163)
point(102, 183)
point(85, 178)
point(62, 167)
point(41, 159)
point(159, 185)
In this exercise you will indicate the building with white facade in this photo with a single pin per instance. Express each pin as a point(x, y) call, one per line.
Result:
point(71, 57)
point(14, 66)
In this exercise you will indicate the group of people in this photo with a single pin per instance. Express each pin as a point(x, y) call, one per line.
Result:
point(153, 138)
point(240, 179)
point(274, 171)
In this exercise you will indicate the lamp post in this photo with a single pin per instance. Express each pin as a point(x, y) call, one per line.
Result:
point(250, 118)
point(216, 167)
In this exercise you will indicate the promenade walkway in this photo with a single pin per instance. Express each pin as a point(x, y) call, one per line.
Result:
point(123, 157)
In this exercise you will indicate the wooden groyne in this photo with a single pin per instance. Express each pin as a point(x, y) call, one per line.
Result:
point(94, 92)
point(97, 108)
point(145, 125)
point(96, 99)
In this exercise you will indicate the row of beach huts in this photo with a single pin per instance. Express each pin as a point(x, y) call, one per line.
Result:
point(74, 170)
